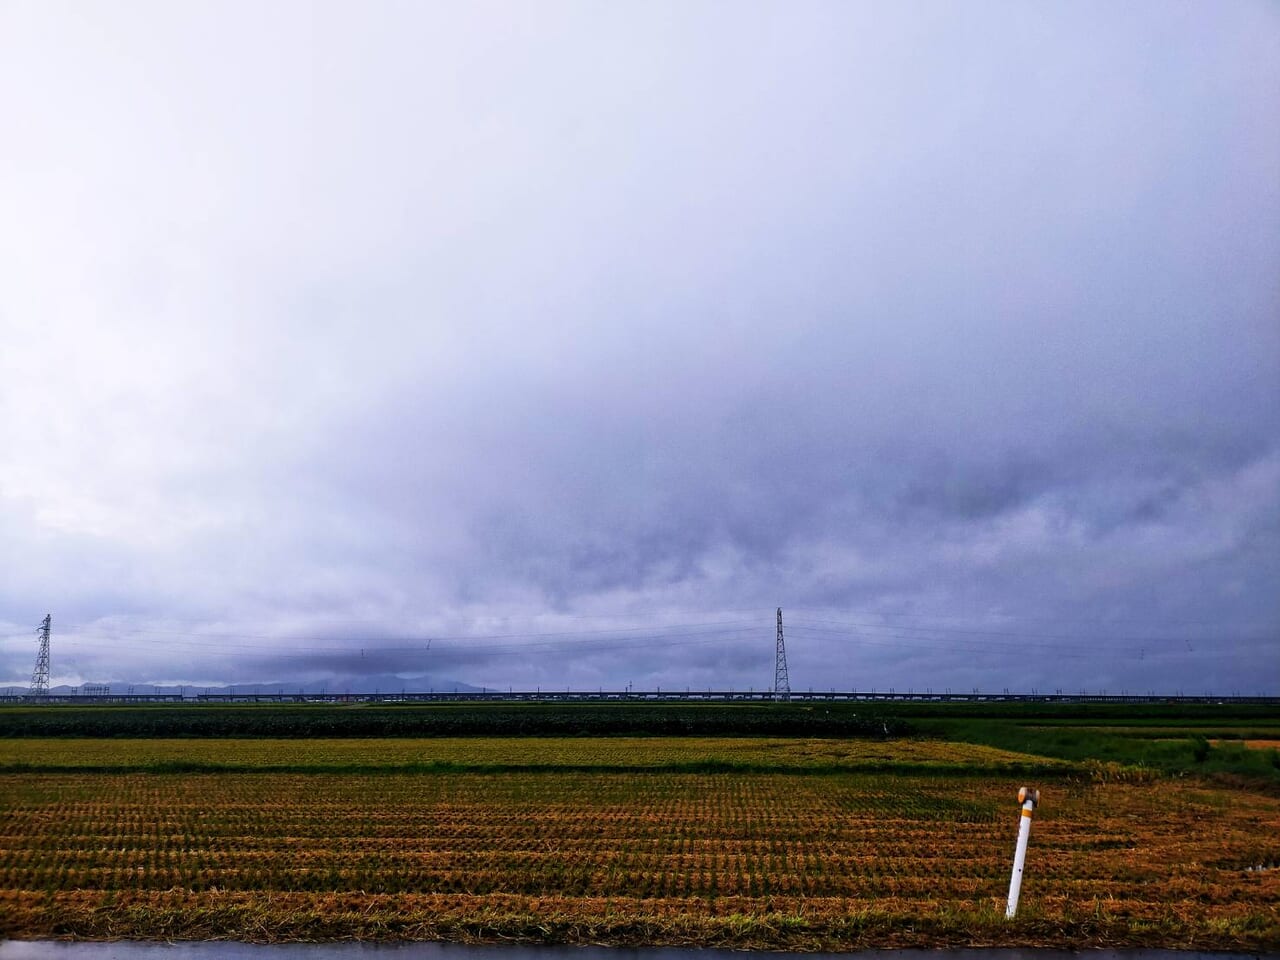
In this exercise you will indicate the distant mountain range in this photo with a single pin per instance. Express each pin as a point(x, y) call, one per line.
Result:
point(381, 683)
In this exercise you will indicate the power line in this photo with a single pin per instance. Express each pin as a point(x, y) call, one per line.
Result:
point(562, 645)
point(1162, 621)
point(972, 646)
point(1020, 641)
point(665, 629)
point(1020, 634)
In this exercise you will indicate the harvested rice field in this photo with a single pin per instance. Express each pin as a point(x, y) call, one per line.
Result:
point(47, 753)
point(793, 857)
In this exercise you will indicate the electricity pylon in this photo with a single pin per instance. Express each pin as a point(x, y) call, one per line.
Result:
point(40, 675)
point(781, 683)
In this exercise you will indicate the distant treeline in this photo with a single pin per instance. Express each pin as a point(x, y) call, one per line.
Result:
point(1153, 714)
point(841, 719)
point(446, 721)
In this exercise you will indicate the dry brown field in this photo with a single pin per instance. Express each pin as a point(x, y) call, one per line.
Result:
point(1251, 744)
point(789, 860)
point(619, 752)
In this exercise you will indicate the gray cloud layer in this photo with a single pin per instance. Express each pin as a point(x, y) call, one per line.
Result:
point(374, 323)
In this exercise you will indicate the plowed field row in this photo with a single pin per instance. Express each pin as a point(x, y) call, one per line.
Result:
point(823, 861)
point(506, 751)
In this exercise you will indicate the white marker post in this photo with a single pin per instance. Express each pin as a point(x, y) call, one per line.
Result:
point(1028, 798)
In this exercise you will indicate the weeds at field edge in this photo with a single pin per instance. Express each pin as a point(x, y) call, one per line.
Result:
point(746, 925)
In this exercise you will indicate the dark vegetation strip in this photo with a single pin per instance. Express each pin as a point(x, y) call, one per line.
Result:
point(1167, 733)
point(610, 719)
point(478, 720)
point(1042, 770)
point(1129, 714)
point(1142, 726)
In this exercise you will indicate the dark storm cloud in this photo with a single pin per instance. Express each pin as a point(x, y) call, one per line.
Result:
point(357, 661)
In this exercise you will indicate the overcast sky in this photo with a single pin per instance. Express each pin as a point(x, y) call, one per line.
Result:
point(579, 336)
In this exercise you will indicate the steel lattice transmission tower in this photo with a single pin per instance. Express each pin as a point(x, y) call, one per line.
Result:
point(40, 675)
point(781, 682)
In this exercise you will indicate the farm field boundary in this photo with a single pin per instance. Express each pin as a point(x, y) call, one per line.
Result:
point(1178, 751)
point(496, 754)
